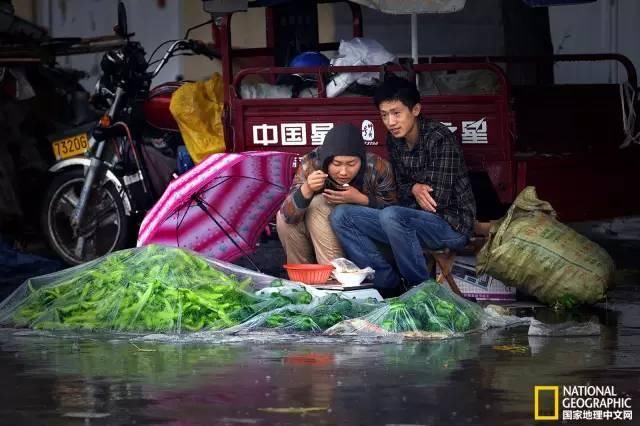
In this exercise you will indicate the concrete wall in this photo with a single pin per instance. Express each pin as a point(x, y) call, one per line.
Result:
point(151, 23)
point(196, 68)
point(606, 26)
point(25, 9)
point(603, 26)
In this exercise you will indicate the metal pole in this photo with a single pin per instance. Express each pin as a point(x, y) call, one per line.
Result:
point(414, 37)
point(615, 35)
point(414, 43)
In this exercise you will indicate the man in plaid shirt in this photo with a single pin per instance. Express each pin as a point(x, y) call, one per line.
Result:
point(436, 207)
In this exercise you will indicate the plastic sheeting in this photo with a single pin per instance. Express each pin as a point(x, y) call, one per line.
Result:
point(357, 51)
point(427, 311)
point(197, 107)
point(153, 288)
point(172, 292)
point(167, 290)
point(17, 266)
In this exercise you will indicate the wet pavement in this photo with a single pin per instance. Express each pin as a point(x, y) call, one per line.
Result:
point(482, 379)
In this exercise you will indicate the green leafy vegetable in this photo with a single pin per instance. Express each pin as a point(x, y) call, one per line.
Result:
point(154, 288)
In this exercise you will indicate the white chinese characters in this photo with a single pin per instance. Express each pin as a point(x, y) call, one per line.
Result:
point(265, 134)
point(474, 131)
point(449, 125)
point(296, 134)
point(289, 134)
point(293, 133)
point(319, 131)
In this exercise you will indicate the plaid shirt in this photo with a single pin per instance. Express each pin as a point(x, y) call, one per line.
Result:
point(435, 160)
point(378, 184)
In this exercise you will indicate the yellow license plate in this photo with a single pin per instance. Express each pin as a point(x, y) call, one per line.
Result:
point(71, 146)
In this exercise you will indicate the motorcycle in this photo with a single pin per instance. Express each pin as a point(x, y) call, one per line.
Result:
point(94, 202)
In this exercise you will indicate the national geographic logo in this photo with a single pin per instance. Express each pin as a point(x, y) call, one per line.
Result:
point(580, 403)
point(546, 402)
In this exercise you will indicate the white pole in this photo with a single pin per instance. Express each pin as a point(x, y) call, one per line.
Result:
point(414, 37)
point(414, 43)
point(616, 37)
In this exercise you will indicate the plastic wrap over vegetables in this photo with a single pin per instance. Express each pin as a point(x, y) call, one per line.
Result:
point(313, 313)
point(428, 310)
point(152, 288)
point(168, 290)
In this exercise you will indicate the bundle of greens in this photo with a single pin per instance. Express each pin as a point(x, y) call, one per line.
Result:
point(152, 288)
point(169, 290)
point(428, 307)
point(285, 296)
point(317, 317)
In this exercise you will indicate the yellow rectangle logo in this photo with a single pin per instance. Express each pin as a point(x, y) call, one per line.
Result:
point(556, 402)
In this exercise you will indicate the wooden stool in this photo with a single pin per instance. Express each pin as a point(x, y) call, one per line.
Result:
point(444, 259)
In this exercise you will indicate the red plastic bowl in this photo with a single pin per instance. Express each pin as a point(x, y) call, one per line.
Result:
point(309, 273)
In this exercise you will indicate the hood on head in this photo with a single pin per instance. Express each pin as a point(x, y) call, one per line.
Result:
point(343, 139)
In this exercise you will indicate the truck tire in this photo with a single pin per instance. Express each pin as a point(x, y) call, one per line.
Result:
point(106, 228)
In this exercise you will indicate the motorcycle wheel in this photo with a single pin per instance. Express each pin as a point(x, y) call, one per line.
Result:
point(106, 226)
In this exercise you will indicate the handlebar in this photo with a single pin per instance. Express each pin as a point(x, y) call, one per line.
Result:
point(196, 46)
point(200, 48)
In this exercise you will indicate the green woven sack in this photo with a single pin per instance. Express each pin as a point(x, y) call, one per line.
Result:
point(529, 249)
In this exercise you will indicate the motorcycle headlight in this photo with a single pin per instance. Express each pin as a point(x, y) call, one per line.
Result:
point(112, 62)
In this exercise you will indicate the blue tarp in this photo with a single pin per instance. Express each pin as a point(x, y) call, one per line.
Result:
point(16, 266)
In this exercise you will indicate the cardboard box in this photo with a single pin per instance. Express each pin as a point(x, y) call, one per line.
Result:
point(483, 287)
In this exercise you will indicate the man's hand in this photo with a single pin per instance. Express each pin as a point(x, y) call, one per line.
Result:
point(423, 196)
point(314, 183)
point(348, 196)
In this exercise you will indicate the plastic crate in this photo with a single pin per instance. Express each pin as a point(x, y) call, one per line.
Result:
point(483, 287)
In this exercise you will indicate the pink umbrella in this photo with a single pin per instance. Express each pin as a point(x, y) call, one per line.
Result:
point(220, 207)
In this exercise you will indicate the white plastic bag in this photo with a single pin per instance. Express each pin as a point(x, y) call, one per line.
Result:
point(345, 265)
point(348, 273)
point(358, 51)
point(264, 91)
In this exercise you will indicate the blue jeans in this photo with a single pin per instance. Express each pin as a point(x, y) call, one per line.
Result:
point(361, 230)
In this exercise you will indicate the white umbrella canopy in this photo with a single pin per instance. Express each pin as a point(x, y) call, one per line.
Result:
point(413, 8)
point(405, 7)
point(396, 7)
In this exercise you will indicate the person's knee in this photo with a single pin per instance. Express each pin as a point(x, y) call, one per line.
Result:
point(389, 213)
point(391, 217)
point(340, 216)
point(344, 215)
point(287, 231)
point(319, 205)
